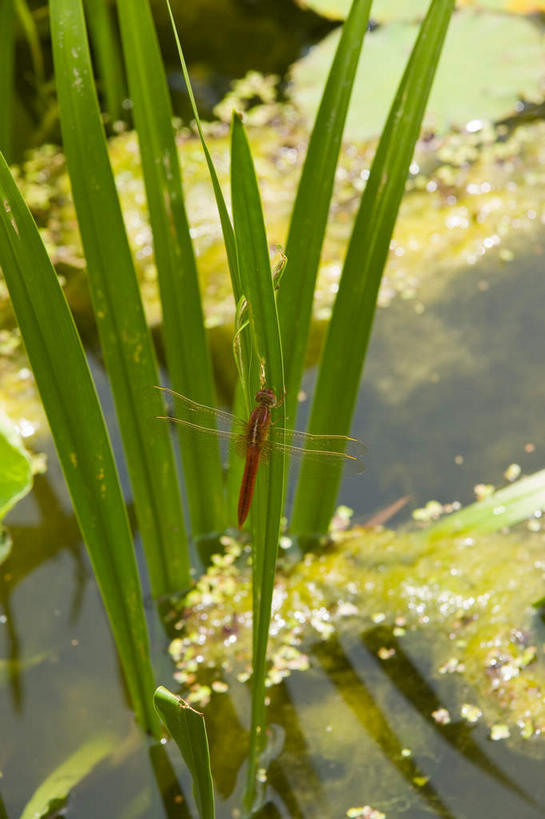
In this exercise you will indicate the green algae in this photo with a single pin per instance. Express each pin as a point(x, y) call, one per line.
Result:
point(469, 599)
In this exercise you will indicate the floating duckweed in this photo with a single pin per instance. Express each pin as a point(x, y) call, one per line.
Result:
point(366, 812)
point(526, 728)
point(470, 713)
point(431, 511)
point(483, 490)
point(200, 695)
point(441, 716)
point(499, 732)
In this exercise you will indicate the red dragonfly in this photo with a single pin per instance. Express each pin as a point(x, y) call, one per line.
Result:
point(256, 438)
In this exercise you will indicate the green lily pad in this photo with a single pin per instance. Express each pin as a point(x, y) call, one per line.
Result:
point(490, 61)
point(381, 10)
point(16, 466)
point(384, 11)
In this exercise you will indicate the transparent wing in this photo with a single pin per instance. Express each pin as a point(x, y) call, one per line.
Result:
point(202, 418)
point(319, 449)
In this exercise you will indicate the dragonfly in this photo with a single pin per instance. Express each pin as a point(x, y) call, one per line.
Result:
point(258, 437)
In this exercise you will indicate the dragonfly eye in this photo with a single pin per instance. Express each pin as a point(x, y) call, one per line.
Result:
point(267, 397)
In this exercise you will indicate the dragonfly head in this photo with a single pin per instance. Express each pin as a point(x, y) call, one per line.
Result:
point(266, 397)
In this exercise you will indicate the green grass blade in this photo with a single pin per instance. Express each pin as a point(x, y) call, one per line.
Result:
point(506, 507)
point(186, 346)
point(188, 729)
point(234, 473)
point(226, 226)
point(310, 212)
point(7, 61)
point(53, 793)
point(99, 15)
point(71, 404)
point(28, 25)
point(350, 327)
point(264, 331)
point(125, 337)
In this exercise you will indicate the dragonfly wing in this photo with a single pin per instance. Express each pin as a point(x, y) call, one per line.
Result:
point(198, 422)
point(208, 438)
point(319, 449)
point(197, 429)
point(184, 410)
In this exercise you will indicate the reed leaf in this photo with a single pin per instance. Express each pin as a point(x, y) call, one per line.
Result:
point(311, 208)
point(506, 507)
point(103, 34)
point(54, 791)
point(226, 226)
point(77, 425)
point(350, 326)
point(27, 23)
point(187, 353)
point(234, 472)
point(188, 729)
point(7, 60)
point(124, 334)
point(268, 370)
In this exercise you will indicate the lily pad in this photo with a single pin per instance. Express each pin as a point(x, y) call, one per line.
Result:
point(381, 10)
point(16, 466)
point(384, 11)
point(490, 61)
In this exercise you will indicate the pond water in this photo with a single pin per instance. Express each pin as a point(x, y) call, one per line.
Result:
point(460, 379)
point(452, 394)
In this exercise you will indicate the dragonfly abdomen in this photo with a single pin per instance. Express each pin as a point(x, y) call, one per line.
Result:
point(253, 454)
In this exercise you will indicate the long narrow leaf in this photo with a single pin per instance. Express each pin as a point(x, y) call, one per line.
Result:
point(256, 279)
point(28, 25)
point(124, 335)
point(188, 729)
point(53, 792)
point(310, 212)
point(234, 473)
point(71, 404)
point(506, 507)
point(7, 57)
point(102, 31)
point(187, 352)
point(350, 327)
point(226, 226)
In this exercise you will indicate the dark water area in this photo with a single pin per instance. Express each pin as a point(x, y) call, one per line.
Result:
point(452, 395)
